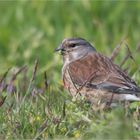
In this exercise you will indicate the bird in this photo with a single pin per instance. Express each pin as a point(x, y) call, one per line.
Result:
point(88, 73)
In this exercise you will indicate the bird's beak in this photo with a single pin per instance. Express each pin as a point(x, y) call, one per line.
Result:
point(59, 48)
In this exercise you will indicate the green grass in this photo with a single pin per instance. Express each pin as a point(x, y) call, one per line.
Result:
point(30, 30)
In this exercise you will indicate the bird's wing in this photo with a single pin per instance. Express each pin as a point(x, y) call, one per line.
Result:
point(98, 71)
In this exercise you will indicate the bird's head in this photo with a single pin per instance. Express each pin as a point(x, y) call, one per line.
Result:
point(74, 48)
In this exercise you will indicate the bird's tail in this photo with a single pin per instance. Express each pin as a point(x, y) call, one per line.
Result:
point(130, 97)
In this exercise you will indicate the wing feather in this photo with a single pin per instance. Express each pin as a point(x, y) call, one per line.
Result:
point(100, 72)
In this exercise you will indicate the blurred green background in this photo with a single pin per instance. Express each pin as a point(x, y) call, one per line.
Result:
point(32, 29)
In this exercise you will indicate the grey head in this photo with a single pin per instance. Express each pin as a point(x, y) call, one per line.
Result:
point(74, 48)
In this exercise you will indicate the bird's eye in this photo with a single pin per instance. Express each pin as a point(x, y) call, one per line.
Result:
point(72, 45)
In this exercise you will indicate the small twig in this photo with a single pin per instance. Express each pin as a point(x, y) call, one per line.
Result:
point(4, 76)
point(64, 110)
point(41, 129)
point(126, 70)
point(43, 126)
point(88, 80)
point(125, 59)
point(10, 87)
point(81, 87)
point(45, 80)
point(10, 108)
point(128, 55)
point(34, 70)
point(2, 100)
point(116, 50)
point(72, 81)
point(31, 82)
point(19, 71)
point(33, 76)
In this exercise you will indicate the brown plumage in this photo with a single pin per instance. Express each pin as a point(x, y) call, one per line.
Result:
point(90, 74)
